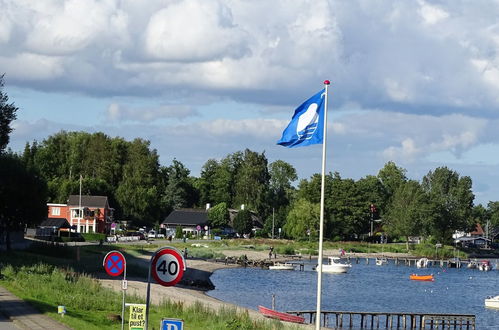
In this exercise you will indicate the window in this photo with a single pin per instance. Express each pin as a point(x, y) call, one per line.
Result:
point(56, 211)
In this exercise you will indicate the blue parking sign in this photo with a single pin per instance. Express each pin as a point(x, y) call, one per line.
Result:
point(172, 324)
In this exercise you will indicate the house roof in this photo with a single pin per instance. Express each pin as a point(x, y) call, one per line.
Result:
point(478, 230)
point(55, 222)
point(88, 201)
point(187, 217)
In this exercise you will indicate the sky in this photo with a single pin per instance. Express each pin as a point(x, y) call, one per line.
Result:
point(413, 82)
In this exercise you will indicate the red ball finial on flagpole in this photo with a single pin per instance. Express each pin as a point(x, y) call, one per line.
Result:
point(327, 82)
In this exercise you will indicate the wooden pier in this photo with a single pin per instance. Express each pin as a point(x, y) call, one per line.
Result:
point(376, 320)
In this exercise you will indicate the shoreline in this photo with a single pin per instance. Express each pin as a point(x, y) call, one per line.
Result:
point(196, 281)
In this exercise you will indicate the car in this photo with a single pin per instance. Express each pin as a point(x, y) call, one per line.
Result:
point(151, 234)
point(136, 233)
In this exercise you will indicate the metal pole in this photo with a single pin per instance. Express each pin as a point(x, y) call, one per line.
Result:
point(272, 223)
point(123, 302)
point(321, 225)
point(148, 295)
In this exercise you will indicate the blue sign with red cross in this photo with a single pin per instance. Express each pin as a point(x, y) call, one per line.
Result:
point(114, 263)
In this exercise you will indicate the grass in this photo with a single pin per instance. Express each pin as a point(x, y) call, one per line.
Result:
point(91, 306)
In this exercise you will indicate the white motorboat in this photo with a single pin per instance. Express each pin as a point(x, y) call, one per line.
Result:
point(381, 261)
point(492, 302)
point(423, 263)
point(335, 265)
point(282, 266)
point(484, 266)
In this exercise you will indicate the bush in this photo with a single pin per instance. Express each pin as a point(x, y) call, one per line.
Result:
point(93, 237)
point(285, 249)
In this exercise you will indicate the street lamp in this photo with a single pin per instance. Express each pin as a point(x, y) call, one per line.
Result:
point(372, 210)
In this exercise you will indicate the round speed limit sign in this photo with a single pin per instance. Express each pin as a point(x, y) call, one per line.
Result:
point(168, 266)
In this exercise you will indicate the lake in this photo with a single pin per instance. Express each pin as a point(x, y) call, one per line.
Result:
point(365, 288)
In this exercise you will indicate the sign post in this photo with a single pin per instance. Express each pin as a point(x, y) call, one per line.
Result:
point(115, 264)
point(167, 266)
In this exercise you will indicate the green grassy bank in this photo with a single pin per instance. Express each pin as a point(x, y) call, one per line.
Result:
point(90, 306)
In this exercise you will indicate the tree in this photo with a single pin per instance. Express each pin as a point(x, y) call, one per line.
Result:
point(179, 191)
point(407, 212)
point(138, 192)
point(252, 182)
point(451, 202)
point(282, 175)
point(23, 196)
point(7, 115)
point(243, 222)
point(219, 215)
point(391, 177)
point(303, 219)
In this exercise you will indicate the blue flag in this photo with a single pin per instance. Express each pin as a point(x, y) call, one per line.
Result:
point(307, 125)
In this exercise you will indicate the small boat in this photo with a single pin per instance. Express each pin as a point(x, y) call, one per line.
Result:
point(335, 266)
point(454, 263)
point(282, 266)
point(484, 266)
point(423, 263)
point(492, 302)
point(473, 264)
point(416, 277)
point(381, 261)
point(267, 312)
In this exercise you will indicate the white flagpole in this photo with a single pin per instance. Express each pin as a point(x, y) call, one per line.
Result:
point(321, 225)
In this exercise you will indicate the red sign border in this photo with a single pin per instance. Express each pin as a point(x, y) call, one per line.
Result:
point(109, 255)
point(181, 266)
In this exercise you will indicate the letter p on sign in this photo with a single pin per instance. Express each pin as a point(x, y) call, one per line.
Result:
point(172, 324)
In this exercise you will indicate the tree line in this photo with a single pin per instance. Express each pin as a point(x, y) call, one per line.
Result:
point(144, 191)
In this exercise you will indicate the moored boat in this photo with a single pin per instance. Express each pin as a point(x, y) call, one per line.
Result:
point(280, 315)
point(416, 277)
point(484, 266)
point(492, 302)
point(282, 266)
point(422, 263)
point(381, 261)
point(335, 266)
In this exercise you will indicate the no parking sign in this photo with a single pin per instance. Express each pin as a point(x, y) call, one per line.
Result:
point(114, 263)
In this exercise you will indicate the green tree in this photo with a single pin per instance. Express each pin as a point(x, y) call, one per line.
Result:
point(243, 222)
point(219, 215)
point(7, 115)
point(179, 191)
point(252, 182)
point(451, 203)
point(391, 177)
point(138, 191)
point(407, 212)
point(23, 196)
point(303, 220)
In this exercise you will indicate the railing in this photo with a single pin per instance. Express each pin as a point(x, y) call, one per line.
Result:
point(377, 320)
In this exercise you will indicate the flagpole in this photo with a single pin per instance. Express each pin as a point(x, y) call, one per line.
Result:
point(321, 225)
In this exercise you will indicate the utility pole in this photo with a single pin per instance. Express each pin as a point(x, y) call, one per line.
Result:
point(272, 223)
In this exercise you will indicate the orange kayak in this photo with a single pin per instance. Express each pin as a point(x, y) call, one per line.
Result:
point(416, 277)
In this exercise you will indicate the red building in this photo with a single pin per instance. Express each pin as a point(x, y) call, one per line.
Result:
point(86, 214)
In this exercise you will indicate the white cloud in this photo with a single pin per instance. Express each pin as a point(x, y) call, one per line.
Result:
point(194, 30)
point(432, 14)
point(116, 112)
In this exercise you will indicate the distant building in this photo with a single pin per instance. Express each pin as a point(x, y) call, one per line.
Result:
point(191, 220)
point(90, 215)
point(195, 221)
point(51, 228)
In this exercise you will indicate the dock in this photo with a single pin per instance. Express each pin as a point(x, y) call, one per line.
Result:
point(377, 320)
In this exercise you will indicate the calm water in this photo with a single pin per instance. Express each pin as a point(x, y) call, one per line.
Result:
point(366, 288)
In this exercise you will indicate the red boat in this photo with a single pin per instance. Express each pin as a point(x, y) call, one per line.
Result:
point(280, 315)
point(416, 277)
